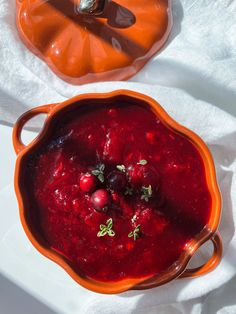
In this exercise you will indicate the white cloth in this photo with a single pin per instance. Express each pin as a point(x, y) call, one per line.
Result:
point(200, 61)
point(200, 57)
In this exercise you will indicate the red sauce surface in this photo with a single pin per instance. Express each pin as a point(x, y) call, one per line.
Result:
point(114, 135)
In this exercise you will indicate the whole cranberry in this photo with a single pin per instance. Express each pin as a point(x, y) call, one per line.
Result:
point(143, 175)
point(116, 180)
point(100, 199)
point(88, 182)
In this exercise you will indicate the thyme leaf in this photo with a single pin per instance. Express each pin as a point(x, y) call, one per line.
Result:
point(106, 229)
point(146, 193)
point(99, 172)
point(142, 162)
point(121, 168)
point(135, 233)
point(128, 191)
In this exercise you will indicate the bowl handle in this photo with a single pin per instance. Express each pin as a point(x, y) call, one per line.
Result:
point(211, 263)
point(25, 117)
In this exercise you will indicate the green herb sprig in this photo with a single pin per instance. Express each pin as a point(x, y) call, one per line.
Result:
point(142, 162)
point(128, 191)
point(99, 172)
point(146, 193)
point(135, 233)
point(106, 229)
point(121, 168)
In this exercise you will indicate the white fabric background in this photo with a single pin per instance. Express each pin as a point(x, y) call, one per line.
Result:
point(200, 61)
point(200, 58)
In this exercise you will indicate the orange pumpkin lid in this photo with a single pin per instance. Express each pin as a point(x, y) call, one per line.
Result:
point(85, 48)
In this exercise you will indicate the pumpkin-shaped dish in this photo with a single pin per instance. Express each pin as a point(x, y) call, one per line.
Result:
point(116, 192)
point(86, 48)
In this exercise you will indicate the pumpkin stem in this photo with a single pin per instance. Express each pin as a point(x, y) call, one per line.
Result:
point(91, 7)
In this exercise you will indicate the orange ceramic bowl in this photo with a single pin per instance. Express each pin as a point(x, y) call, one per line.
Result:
point(179, 268)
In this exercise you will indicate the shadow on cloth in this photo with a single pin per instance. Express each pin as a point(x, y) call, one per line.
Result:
point(15, 300)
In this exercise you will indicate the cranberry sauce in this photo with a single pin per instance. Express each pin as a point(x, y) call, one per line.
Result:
point(117, 192)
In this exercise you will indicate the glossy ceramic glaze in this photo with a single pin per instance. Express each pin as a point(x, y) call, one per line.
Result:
point(82, 48)
point(179, 267)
